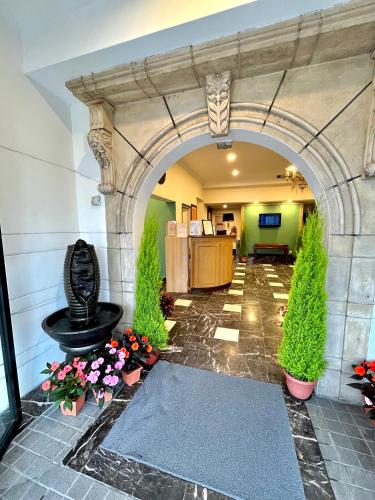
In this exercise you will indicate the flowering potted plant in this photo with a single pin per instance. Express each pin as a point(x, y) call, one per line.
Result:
point(104, 368)
point(139, 351)
point(166, 304)
point(66, 385)
point(365, 372)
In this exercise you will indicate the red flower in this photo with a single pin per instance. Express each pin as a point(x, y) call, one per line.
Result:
point(360, 370)
point(123, 350)
point(114, 343)
point(371, 365)
point(373, 378)
point(149, 348)
point(144, 339)
point(129, 330)
point(135, 346)
point(126, 354)
point(132, 338)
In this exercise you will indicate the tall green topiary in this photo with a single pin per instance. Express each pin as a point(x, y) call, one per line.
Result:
point(301, 351)
point(244, 245)
point(148, 319)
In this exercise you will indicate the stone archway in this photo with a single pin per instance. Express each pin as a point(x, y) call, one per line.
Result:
point(145, 116)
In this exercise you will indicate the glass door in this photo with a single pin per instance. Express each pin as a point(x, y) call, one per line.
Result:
point(10, 406)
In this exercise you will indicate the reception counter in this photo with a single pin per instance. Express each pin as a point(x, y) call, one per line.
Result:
point(198, 262)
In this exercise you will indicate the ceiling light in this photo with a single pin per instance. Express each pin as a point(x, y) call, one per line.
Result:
point(290, 201)
point(256, 201)
point(235, 172)
point(225, 206)
point(231, 157)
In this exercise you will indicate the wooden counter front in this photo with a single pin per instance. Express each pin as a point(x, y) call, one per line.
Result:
point(211, 260)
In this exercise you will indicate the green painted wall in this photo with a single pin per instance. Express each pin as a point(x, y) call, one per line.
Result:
point(163, 212)
point(286, 233)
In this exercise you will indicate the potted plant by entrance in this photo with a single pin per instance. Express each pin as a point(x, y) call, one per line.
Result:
point(66, 385)
point(301, 352)
point(141, 353)
point(365, 372)
point(244, 246)
point(148, 317)
point(104, 368)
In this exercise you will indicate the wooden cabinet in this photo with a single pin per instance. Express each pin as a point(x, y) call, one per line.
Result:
point(177, 264)
point(210, 261)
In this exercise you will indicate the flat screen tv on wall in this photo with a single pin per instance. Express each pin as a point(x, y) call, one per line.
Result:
point(269, 220)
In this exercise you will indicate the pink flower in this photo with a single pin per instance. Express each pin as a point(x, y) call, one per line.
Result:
point(46, 385)
point(75, 362)
point(108, 369)
point(112, 351)
point(100, 361)
point(54, 366)
point(119, 365)
point(95, 365)
point(61, 375)
point(110, 380)
point(68, 368)
point(92, 377)
point(82, 365)
point(121, 354)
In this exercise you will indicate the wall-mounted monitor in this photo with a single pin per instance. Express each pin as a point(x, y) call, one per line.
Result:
point(269, 220)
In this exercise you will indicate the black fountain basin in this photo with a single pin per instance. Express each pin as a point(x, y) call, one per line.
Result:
point(86, 338)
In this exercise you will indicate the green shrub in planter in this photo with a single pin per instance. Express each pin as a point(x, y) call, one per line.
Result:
point(148, 318)
point(301, 351)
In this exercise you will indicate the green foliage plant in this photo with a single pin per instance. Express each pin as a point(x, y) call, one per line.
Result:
point(244, 245)
point(301, 351)
point(148, 318)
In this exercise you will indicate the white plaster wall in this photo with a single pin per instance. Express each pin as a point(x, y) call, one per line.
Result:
point(38, 211)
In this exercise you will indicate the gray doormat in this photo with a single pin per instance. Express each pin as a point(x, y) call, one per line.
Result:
point(226, 433)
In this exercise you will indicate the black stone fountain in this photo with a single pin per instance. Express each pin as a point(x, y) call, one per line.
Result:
point(86, 325)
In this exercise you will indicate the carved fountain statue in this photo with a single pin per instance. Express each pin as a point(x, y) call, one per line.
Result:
point(86, 324)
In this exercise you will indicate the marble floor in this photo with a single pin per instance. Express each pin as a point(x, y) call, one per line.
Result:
point(233, 331)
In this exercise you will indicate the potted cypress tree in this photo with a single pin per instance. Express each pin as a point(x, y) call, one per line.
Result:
point(301, 352)
point(148, 318)
point(244, 250)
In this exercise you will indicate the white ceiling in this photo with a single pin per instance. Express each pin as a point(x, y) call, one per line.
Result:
point(257, 165)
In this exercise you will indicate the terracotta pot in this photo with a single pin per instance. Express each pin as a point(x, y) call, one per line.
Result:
point(77, 406)
point(298, 388)
point(367, 401)
point(243, 259)
point(107, 396)
point(152, 358)
point(130, 378)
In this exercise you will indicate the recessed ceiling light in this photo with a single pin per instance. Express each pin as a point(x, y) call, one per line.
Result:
point(225, 206)
point(231, 156)
point(235, 172)
point(256, 201)
point(290, 201)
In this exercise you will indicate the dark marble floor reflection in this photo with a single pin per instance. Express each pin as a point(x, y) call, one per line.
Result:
point(193, 343)
point(33, 404)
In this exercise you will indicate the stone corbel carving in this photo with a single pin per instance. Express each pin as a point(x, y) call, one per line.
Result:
point(100, 141)
point(369, 160)
point(218, 103)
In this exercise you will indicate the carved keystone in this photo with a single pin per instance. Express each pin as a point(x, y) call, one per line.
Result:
point(100, 141)
point(218, 103)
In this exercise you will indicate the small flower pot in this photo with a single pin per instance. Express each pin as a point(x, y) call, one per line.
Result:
point(151, 359)
point(367, 401)
point(298, 388)
point(130, 378)
point(77, 406)
point(107, 396)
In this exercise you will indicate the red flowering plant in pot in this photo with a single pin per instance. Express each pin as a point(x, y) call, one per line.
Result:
point(104, 370)
point(66, 385)
point(140, 352)
point(365, 372)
